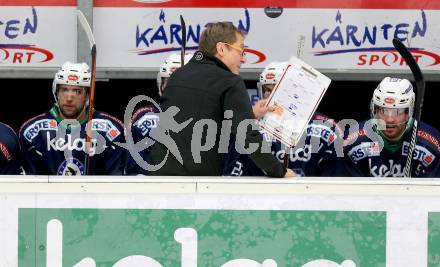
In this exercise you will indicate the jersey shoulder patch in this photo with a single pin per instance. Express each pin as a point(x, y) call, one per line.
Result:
point(138, 113)
point(32, 127)
point(111, 126)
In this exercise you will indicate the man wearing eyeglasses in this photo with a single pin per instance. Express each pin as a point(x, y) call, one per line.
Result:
point(380, 147)
point(209, 95)
point(54, 143)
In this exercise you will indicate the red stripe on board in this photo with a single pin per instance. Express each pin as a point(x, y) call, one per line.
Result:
point(334, 4)
point(38, 3)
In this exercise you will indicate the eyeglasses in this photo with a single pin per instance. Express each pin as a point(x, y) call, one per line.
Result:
point(239, 49)
point(71, 91)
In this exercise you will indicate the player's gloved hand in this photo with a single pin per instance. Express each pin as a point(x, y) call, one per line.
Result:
point(290, 173)
point(260, 109)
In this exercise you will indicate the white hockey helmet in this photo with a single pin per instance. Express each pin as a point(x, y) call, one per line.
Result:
point(394, 93)
point(72, 74)
point(171, 64)
point(271, 74)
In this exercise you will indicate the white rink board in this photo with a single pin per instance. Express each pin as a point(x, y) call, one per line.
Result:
point(406, 203)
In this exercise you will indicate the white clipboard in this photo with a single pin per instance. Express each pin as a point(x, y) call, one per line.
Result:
point(296, 97)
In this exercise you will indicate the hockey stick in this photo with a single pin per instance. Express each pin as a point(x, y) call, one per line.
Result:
point(88, 30)
point(420, 88)
point(182, 50)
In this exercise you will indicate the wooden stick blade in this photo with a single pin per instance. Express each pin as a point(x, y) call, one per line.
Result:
point(86, 26)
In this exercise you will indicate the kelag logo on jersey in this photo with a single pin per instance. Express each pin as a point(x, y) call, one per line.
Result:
point(303, 154)
point(166, 37)
point(33, 129)
point(362, 41)
point(78, 144)
point(17, 53)
point(365, 149)
point(420, 153)
point(147, 122)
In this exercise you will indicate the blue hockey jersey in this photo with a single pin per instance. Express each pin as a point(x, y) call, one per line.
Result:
point(55, 147)
point(315, 154)
point(365, 154)
point(143, 121)
point(10, 161)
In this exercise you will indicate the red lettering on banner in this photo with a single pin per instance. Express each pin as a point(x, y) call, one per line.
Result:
point(17, 57)
point(387, 59)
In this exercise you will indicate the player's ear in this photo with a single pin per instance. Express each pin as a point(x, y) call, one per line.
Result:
point(220, 48)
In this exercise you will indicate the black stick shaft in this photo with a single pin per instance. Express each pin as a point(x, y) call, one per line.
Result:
point(420, 89)
point(182, 51)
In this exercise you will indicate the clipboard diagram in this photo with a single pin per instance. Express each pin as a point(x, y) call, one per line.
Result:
point(296, 98)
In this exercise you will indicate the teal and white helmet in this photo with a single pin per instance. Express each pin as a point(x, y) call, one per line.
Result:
point(77, 74)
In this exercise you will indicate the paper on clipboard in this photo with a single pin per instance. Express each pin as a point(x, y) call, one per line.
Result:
point(296, 97)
